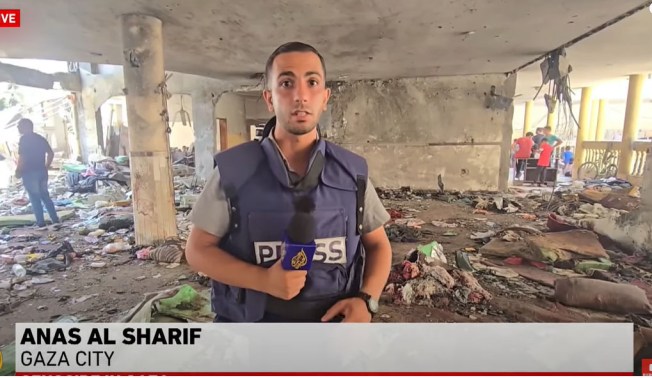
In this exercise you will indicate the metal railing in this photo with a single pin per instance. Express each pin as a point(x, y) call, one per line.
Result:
point(641, 149)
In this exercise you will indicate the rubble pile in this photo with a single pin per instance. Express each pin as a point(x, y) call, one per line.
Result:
point(425, 278)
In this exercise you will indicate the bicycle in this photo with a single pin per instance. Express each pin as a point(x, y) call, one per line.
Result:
point(604, 168)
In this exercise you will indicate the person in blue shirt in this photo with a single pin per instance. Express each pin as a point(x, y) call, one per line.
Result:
point(567, 158)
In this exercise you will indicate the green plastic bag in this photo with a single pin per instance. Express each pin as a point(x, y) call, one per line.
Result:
point(187, 304)
point(75, 168)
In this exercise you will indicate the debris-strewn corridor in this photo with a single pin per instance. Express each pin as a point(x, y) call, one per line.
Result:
point(200, 162)
point(458, 257)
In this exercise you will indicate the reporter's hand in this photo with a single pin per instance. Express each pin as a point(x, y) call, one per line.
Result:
point(284, 284)
point(354, 310)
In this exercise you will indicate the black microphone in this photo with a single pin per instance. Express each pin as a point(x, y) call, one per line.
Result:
point(299, 244)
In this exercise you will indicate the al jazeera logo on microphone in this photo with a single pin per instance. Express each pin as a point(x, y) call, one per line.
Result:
point(300, 260)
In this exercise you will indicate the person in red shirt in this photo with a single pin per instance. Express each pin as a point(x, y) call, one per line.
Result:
point(523, 153)
point(545, 153)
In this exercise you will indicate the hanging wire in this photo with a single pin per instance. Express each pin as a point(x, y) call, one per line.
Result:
point(560, 93)
point(165, 96)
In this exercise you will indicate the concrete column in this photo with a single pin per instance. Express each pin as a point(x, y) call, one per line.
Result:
point(583, 132)
point(630, 127)
point(594, 120)
point(86, 125)
point(600, 126)
point(205, 130)
point(552, 117)
point(151, 172)
point(527, 120)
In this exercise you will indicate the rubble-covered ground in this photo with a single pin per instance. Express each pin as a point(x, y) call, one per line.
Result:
point(458, 257)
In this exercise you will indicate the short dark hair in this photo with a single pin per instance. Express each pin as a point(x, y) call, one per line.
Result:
point(26, 123)
point(548, 128)
point(529, 133)
point(544, 140)
point(290, 47)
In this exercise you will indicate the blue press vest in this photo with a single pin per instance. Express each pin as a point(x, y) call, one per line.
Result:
point(254, 178)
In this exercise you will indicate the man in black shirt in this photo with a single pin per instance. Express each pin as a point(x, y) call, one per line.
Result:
point(537, 138)
point(34, 158)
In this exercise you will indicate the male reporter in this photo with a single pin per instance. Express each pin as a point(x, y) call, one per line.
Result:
point(242, 214)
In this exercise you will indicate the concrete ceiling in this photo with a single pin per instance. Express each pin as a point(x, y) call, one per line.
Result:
point(359, 39)
point(619, 50)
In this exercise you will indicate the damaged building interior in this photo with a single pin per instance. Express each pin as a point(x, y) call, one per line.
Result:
point(434, 94)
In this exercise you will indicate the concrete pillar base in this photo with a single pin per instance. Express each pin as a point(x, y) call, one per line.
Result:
point(632, 232)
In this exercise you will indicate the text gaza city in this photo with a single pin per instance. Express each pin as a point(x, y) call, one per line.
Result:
point(102, 336)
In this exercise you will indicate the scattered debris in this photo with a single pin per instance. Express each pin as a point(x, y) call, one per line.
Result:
point(444, 224)
point(171, 252)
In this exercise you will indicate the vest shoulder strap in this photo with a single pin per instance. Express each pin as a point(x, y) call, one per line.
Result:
point(357, 167)
point(353, 163)
point(239, 163)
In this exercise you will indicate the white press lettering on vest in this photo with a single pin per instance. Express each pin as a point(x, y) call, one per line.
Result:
point(329, 250)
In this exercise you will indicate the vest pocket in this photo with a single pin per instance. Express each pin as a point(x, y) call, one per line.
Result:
point(237, 304)
point(324, 281)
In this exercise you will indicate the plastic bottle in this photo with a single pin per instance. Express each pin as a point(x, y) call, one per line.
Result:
point(18, 270)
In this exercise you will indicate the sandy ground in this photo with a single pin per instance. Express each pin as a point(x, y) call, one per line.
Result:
point(104, 294)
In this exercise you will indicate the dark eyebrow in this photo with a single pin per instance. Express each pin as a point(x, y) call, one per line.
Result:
point(291, 74)
point(313, 73)
point(287, 73)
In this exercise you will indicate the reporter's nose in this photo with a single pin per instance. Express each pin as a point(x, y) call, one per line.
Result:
point(301, 94)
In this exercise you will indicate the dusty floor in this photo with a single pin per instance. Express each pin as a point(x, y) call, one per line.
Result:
point(104, 294)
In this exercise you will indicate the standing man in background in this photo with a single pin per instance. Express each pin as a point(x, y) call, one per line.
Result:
point(537, 138)
point(553, 139)
point(34, 159)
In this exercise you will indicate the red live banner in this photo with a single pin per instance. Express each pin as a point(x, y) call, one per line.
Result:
point(9, 18)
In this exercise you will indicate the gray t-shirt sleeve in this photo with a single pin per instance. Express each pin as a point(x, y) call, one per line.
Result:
point(375, 214)
point(211, 211)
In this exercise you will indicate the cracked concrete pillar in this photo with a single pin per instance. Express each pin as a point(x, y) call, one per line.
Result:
point(151, 171)
point(205, 131)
